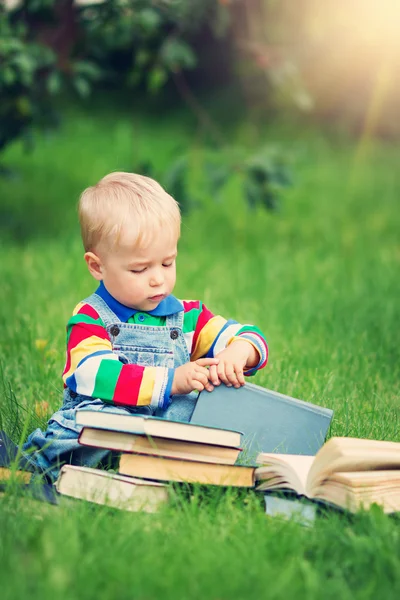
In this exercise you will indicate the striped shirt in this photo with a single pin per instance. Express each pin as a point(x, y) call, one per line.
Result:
point(93, 369)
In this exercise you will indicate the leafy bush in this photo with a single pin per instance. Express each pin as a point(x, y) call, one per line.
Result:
point(48, 46)
point(26, 82)
point(262, 175)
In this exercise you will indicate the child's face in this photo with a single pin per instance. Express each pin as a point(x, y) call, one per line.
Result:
point(140, 277)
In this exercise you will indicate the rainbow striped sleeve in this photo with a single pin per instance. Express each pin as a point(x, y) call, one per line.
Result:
point(207, 334)
point(93, 369)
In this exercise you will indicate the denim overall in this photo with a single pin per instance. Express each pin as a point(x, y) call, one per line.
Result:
point(142, 345)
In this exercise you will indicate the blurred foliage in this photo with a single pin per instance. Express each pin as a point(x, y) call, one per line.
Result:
point(142, 42)
point(262, 176)
point(339, 61)
point(23, 92)
point(47, 46)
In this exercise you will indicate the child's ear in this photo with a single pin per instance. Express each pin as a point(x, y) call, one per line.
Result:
point(94, 265)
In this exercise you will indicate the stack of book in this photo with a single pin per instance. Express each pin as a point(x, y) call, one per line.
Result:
point(205, 451)
point(344, 473)
point(152, 451)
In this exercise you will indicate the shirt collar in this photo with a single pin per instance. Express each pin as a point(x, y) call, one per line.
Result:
point(169, 306)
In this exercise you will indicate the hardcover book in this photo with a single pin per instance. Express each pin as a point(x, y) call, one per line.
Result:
point(269, 421)
point(121, 441)
point(291, 507)
point(167, 469)
point(157, 427)
point(111, 489)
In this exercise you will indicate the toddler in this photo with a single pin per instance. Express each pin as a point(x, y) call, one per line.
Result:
point(132, 346)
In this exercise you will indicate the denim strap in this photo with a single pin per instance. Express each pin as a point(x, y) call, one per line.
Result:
point(101, 307)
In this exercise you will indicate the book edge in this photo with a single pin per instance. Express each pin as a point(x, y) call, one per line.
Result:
point(152, 418)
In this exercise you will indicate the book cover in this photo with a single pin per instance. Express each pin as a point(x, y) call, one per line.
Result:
point(290, 507)
point(169, 469)
point(112, 489)
point(120, 441)
point(269, 421)
point(158, 427)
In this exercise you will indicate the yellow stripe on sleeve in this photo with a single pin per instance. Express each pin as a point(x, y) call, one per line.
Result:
point(146, 386)
point(207, 336)
point(77, 308)
point(84, 349)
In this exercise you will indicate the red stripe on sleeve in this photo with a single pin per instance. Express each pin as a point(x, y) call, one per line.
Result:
point(190, 304)
point(89, 311)
point(80, 332)
point(203, 319)
point(128, 385)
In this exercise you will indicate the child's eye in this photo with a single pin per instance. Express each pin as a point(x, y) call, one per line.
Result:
point(168, 265)
point(138, 270)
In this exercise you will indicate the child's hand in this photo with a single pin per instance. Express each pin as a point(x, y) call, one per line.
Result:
point(193, 376)
point(232, 362)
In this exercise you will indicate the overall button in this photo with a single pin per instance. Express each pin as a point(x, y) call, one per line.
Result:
point(174, 334)
point(141, 318)
point(114, 330)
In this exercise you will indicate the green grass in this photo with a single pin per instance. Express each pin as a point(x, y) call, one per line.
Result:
point(320, 277)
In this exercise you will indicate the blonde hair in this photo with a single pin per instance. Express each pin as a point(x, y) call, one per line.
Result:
point(126, 198)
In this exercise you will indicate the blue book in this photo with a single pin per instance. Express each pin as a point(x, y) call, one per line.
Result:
point(291, 507)
point(269, 421)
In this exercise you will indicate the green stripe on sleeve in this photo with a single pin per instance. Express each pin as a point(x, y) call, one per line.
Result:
point(106, 379)
point(251, 329)
point(190, 319)
point(79, 318)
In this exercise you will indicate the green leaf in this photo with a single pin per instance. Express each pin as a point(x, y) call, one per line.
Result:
point(156, 79)
point(54, 83)
point(177, 54)
point(87, 69)
point(24, 106)
point(149, 20)
point(8, 76)
point(142, 58)
point(82, 86)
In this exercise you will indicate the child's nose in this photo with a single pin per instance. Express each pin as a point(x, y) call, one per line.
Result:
point(157, 277)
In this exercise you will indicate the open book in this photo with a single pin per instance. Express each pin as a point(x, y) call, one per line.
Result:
point(349, 472)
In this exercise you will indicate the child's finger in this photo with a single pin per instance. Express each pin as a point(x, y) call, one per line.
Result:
point(197, 385)
point(206, 362)
point(222, 374)
point(213, 375)
point(239, 375)
point(231, 376)
point(202, 376)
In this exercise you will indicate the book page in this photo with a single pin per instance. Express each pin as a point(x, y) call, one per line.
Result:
point(360, 489)
point(352, 454)
point(292, 468)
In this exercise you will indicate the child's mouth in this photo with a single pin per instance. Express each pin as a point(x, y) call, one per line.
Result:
point(157, 298)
